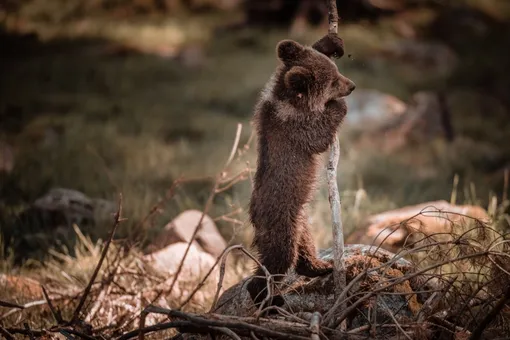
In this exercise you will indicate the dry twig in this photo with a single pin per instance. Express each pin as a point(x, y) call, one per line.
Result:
point(116, 222)
point(334, 196)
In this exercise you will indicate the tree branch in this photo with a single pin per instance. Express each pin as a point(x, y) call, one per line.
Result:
point(334, 196)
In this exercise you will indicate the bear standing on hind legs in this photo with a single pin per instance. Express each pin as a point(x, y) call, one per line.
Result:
point(296, 119)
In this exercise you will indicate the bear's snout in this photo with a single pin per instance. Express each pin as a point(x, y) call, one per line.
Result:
point(351, 86)
point(346, 86)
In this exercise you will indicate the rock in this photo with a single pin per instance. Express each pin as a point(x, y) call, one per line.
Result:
point(370, 109)
point(196, 264)
point(48, 222)
point(21, 287)
point(182, 227)
point(387, 230)
point(74, 207)
point(6, 158)
point(305, 295)
point(420, 122)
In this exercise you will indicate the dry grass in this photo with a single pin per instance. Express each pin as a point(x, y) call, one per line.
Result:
point(463, 277)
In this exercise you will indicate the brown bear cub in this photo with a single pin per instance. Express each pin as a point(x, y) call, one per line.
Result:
point(296, 119)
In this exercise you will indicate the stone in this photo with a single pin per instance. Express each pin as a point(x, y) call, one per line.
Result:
point(196, 264)
point(195, 267)
point(74, 207)
point(370, 109)
point(305, 295)
point(420, 122)
point(181, 229)
point(395, 229)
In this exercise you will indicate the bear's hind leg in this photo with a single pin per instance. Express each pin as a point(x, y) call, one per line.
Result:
point(308, 263)
point(278, 253)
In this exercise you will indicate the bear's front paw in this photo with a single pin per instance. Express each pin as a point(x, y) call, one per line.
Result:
point(330, 45)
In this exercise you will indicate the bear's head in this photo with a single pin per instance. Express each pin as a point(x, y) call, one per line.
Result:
point(308, 77)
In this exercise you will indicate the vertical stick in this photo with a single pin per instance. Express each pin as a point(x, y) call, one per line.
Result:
point(334, 196)
point(332, 17)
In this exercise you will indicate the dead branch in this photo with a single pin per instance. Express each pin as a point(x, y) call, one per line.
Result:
point(334, 196)
point(155, 328)
point(223, 258)
point(10, 304)
point(56, 314)
point(25, 306)
point(116, 222)
point(277, 329)
point(315, 326)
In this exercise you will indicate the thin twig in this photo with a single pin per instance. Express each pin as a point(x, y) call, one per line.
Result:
point(54, 312)
point(234, 146)
point(143, 316)
point(25, 306)
point(29, 331)
point(6, 333)
point(116, 222)
point(390, 313)
point(223, 258)
point(66, 334)
point(477, 333)
point(10, 304)
point(202, 283)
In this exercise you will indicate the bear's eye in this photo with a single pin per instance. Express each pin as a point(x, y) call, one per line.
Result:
point(335, 83)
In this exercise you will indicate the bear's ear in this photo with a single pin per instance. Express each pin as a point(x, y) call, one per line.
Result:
point(298, 78)
point(289, 50)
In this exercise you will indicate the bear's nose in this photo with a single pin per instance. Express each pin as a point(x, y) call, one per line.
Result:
point(352, 86)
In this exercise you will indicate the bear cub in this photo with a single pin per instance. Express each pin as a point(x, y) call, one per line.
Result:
point(296, 119)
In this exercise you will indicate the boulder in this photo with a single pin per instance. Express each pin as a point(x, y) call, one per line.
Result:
point(195, 267)
point(73, 206)
point(196, 264)
point(304, 295)
point(370, 109)
point(182, 227)
point(419, 122)
point(48, 222)
point(395, 229)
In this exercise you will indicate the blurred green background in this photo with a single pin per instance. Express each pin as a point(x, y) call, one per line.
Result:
point(126, 96)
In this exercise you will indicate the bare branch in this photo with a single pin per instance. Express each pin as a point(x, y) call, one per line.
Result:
point(116, 222)
point(10, 304)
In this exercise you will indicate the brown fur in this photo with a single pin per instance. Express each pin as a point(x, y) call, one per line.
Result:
point(296, 119)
